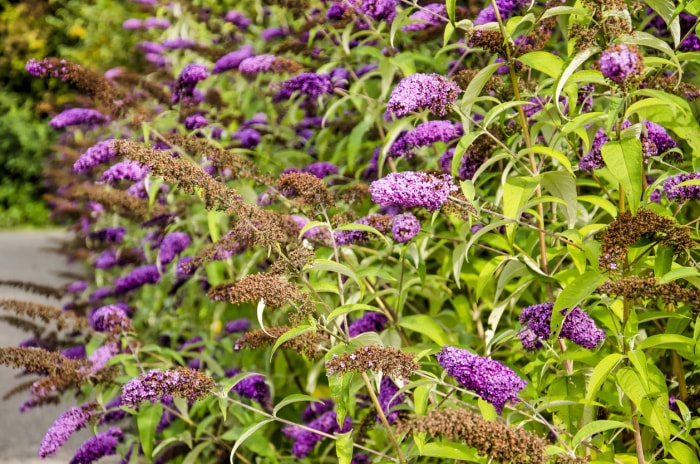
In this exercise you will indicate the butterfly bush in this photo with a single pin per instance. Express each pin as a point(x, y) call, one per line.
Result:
point(337, 231)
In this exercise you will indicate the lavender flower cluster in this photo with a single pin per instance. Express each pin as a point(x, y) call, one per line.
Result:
point(422, 91)
point(577, 327)
point(412, 189)
point(683, 193)
point(490, 379)
point(425, 134)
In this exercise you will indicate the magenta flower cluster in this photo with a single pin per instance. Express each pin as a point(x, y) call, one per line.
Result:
point(412, 189)
point(125, 171)
point(97, 154)
point(96, 447)
point(404, 227)
point(431, 15)
point(425, 134)
point(422, 91)
point(67, 423)
point(621, 63)
point(490, 379)
point(78, 117)
point(370, 321)
point(684, 192)
point(577, 327)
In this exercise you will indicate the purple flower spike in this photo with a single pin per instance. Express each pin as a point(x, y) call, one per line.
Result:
point(410, 189)
point(422, 91)
point(257, 64)
point(405, 227)
point(306, 440)
point(187, 80)
point(77, 287)
point(67, 423)
point(132, 24)
point(125, 170)
point(196, 121)
point(109, 234)
point(621, 63)
point(369, 322)
point(237, 325)
point(684, 193)
point(490, 379)
point(379, 10)
point(315, 409)
point(139, 277)
point(172, 245)
point(233, 59)
point(254, 388)
point(387, 390)
point(110, 318)
point(237, 18)
point(250, 138)
point(425, 134)
point(321, 169)
point(156, 23)
point(101, 445)
point(310, 85)
point(78, 117)
point(427, 17)
point(577, 327)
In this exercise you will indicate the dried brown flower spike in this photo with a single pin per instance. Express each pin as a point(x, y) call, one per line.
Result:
point(390, 361)
point(307, 344)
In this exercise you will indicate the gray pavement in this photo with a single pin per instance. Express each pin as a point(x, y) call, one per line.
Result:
point(23, 257)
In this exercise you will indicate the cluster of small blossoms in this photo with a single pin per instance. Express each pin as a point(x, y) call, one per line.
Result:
point(422, 91)
point(389, 361)
point(155, 384)
point(233, 59)
point(125, 171)
point(187, 81)
point(67, 423)
point(110, 318)
point(404, 227)
point(306, 440)
point(138, 277)
point(412, 189)
point(369, 322)
point(96, 447)
point(490, 379)
point(97, 154)
point(577, 327)
point(172, 245)
point(683, 193)
point(257, 64)
point(78, 117)
point(114, 235)
point(253, 387)
point(388, 398)
point(425, 134)
point(310, 85)
point(622, 64)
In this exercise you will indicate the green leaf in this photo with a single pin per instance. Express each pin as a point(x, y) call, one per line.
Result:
point(573, 65)
point(488, 411)
point(550, 152)
point(450, 450)
point(343, 447)
point(193, 455)
point(682, 452)
point(250, 430)
point(600, 373)
point(420, 399)
point(288, 335)
point(656, 412)
point(545, 62)
point(624, 160)
point(680, 273)
point(349, 308)
point(663, 260)
point(476, 85)
point(340, 393)
point(459, 255)
point(666, 341)
point(602, 203)
point(516, 192)
point(146, 421)
point(426, 325)
point(293, 398)
point(563, 185)
point(562, 10)
point(332, 266)
point(573, 294)
point(461, 148)
point(451, 10)
point(355, 140)
point(665, 9)
point(631, 384)
point(582, 120)
point(592, 428)
point(639, 361)
point(692, 7)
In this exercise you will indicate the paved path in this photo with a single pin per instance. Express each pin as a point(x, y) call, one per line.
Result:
point(22, 257)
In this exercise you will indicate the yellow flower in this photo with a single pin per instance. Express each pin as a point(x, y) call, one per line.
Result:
point(78, 31)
